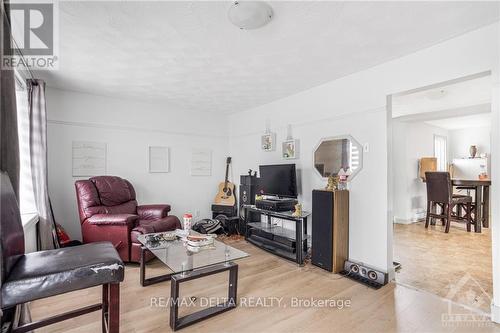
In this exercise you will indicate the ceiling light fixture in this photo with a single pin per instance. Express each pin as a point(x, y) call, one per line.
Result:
point(249, 15)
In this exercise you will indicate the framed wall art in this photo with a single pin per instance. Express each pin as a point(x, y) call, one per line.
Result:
point(89, 158)
point(159, 159)
point(268, 142)
point(290, 149)
point(201, 162)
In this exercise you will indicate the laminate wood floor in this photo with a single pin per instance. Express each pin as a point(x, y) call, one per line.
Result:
point(456, 265)
point(393, 308)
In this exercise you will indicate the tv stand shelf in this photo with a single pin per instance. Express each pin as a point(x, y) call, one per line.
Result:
point(275, 229)
point(298, 236)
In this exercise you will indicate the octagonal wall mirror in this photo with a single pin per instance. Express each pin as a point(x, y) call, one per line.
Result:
point(332, 154)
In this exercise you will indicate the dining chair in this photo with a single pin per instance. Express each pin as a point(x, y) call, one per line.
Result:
point(470, 191)
point(26, 277)
point(440, 194)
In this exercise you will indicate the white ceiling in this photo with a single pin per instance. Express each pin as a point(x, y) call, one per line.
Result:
point(188, 54)
point(459, 95)
point(472, 121)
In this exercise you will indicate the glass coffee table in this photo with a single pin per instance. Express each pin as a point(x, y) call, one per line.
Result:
point(187, 265)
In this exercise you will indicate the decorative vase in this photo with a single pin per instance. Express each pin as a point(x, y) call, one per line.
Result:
point(473, 151)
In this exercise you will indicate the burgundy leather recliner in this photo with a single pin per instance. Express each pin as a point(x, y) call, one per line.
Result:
point(109, 212)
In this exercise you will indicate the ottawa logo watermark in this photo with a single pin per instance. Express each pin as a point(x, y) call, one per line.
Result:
point(34, 39)
point(466, 291)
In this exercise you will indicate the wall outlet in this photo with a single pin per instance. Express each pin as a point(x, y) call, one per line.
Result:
point(366, 147)
point(197, 213)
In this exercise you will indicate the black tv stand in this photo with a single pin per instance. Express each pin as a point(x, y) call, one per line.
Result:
point(286, 243)
point(276, 204)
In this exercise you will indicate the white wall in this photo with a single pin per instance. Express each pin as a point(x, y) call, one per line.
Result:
point(356, 105)
point(129, 128)
point(462, 139)
point(411, 141)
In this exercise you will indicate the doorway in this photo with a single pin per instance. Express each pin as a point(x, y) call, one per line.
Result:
point(448, 123)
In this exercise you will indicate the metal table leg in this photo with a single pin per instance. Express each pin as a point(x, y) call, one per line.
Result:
point(305, 234)
point(299, 233)
point(149, 281)
point(479, 208)
point(178, 323)
point(486, 207)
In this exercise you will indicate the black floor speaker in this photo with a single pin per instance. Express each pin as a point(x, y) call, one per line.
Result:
point(248, 185)
point(322, 231)
point(330, 232)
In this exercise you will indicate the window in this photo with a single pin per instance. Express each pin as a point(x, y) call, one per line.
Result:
point(26, 197)
point(440, 152)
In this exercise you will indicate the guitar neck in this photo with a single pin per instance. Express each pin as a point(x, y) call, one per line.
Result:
point(227, 175)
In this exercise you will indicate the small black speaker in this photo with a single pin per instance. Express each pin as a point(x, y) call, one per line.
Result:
point(247, 190)
point(247, 195)
point(228, 211)
point(248, 180)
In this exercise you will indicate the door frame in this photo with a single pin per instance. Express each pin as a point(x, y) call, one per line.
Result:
point(495, 177)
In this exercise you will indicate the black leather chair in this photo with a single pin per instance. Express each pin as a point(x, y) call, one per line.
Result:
point(31, 276)
point(440, 193)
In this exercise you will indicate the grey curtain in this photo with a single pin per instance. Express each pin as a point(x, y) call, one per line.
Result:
point(39, 169)
point(9, 146)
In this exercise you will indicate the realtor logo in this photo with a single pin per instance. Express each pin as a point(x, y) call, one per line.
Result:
point(466, 291)
point(34, 35)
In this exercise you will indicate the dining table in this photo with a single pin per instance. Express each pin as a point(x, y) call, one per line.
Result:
point(481, 187)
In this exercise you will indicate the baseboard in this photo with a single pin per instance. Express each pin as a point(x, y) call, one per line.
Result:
point(398, 220)
point(416, 215)
point(495, 313)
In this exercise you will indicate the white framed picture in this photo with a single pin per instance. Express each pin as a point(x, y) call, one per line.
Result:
point(268, 142)
point(89, 158)
point(159, 159)
point(290, 149)
point(201, 162)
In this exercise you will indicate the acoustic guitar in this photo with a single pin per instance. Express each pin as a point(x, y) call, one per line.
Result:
point(225, 195)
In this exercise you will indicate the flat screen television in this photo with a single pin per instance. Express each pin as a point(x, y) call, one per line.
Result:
point(278, 179)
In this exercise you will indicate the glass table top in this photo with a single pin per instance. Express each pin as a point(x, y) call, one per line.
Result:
point(177, 255)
